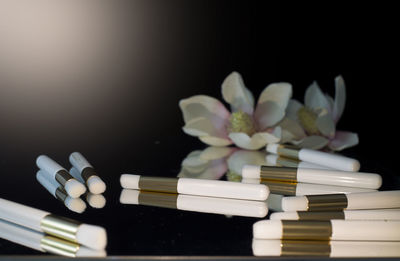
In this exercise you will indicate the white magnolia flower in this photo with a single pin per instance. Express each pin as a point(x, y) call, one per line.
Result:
point(313, 125)
point(247, 126)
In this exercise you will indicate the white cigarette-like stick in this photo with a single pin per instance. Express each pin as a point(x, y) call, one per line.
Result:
point(225, 206)
point(376, 230)
point(335, 202)
point(317, 157)
point(73, 204)
point(273, 247)
point(274, 202)
point(300, 189)
point(45, 243)
point(87, 173)
point(198, 187)
point(73, 187)
point(314, 176)
point(276, 160)
point(96, 200)
point(373, 214)
point(88, 235)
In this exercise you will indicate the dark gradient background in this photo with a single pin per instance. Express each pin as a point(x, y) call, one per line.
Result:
point(105, 78)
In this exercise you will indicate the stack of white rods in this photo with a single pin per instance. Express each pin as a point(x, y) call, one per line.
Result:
point(69, 186)
point(90, 236)
point(327, 207)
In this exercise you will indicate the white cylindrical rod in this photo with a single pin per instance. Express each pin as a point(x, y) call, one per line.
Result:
point(49, 184)
point(88, 235)
point(317, 157)
point(199, 187)
point(374, 214)
point(213, 205)
point(325, 230)
point(314, 176)
point(73, 187)
point(87, 173)
point(366, 200)
point(20, 235)
point(276, 247)
point(275, 160)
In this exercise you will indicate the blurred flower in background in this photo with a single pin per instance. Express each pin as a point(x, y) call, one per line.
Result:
point(313, 125)
point(246, 126)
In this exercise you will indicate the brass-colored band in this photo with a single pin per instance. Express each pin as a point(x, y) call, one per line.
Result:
point(288, 151)
point(168, 185)
point(280, 188)
point(325, 215)
point(87, 173)
point(287, 162)
point(305, 248)
point(60, 227)
point(61, 194)
point(62, 177)
point(157, 199)
point(330, 202)
point(306, 230)
point(278, 173)
point(59, 246)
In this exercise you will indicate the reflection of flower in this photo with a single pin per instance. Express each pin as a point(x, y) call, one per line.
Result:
point(208, 119)
point(214, 162)
point(313, 124)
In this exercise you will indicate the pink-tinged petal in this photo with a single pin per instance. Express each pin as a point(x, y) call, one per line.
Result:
point(343, 140)
point(315, 99)
point(279, 93)
point(312, 142)
point(215, 141)
point(340, 98)
point(203, 106)
point(268, 114)
point(236, 94)
point(292, 109)
point(291, 130)
point(213, 152)
point(257, 141)
point(325, 124)
point(195, 166)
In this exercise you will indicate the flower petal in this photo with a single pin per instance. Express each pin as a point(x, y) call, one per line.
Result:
point(325, 124)
point(236, 94)
point(340, 98)
point(315, 99)
point(193, 159)
point(279, 93)
point(292, 109)
point(343, 140)
point(215, 141)
point(268, 114)
point(203, 106)
point(213, 152)
point(257, 141)
point(291, 130)
point(242, 157)
point(312, 142)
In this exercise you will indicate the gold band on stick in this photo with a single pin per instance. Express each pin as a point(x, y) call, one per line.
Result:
point(61, 194)
point(288, 151)
point(59, 246)
point(287, 162)
point(331, 202)
point(281, 188)
point(305, 248)
point(157, 199)
point(87, 173)
point(168, 185)
point(306, 230)
point(60, 227)
point(278, 173)
point(328, 215)
point(62, 177)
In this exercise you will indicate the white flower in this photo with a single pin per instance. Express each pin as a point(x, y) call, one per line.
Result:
point(248, 126)
point(313, 125)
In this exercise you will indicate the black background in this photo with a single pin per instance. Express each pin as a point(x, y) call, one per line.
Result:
point(124, 116)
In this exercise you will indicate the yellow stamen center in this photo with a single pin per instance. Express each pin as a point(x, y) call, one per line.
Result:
point(241, 122)
point(233, 176)
point(308, 119)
